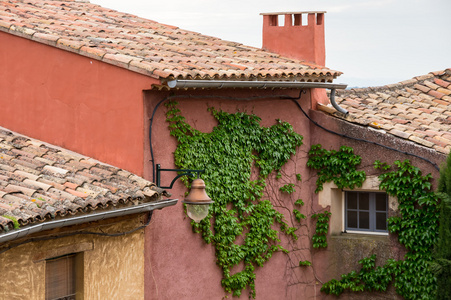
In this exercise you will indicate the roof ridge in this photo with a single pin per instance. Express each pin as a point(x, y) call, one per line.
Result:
point(391, 87)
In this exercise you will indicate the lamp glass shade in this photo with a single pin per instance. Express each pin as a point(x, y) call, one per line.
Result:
point(197, 202)
point(197, 212)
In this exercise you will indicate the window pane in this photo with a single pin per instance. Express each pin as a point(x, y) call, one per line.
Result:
point(60, 277)
point(364, 220)
point(352, 219)
point(381, 201)
point(381, 221)
point(364, 201)
point(352, 200)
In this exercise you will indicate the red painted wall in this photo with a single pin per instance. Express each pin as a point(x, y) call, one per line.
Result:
point(72, 101)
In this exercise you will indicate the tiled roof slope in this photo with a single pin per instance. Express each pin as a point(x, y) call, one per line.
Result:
point(40, 182)
point(418, 109)
point(145, 46)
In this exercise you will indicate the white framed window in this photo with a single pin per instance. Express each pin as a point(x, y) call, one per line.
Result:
point(366, 211)
point(334, 198)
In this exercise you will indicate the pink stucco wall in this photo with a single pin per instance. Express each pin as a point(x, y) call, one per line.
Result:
point(180, 265)
point(72, 101)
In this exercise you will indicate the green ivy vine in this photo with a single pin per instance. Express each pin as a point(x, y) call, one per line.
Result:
point(416, 225)
point(240, 224)
point(287, 188)
point(297, 214)
point(337, 166)
point(322, 227)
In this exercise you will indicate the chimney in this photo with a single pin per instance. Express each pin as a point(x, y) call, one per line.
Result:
point(294, 38)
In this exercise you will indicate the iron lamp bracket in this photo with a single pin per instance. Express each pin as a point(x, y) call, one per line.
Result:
point(188, 172)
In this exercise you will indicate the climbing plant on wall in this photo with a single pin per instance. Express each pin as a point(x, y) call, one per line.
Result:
point(337, 166)
point(416, 225)
point(240, 224)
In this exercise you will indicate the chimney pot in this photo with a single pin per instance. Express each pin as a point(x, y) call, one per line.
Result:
point(294, 39)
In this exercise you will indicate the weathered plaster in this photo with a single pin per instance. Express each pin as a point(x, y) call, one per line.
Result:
point(113, 266)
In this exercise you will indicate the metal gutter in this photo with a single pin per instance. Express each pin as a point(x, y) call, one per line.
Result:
point(95, 216)
point(261, 84)
point(252, 84)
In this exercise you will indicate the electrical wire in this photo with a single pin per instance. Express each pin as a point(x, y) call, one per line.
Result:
point(285, 97)
point(294, 99)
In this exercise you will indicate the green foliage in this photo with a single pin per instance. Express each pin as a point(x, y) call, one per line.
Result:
point(442, 255)
point(298, 215)
point(15, 222)
point(305, 263)
point(288, 188)
point(240, 225)
point(337, 166)
point(368, 278)
point(322, 227)
point(299, 202)
point(416, 227)
point(381, 165)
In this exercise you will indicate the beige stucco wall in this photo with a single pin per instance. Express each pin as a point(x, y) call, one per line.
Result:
point(113, 266)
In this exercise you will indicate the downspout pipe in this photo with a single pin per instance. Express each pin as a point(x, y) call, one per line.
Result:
point(335, 104)
point(261, 84)
point(96, 216)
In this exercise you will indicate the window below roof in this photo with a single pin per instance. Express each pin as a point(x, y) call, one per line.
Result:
point(64, 277)
point(366, 211)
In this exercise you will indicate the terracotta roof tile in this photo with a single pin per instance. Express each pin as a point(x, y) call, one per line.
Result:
point(145, 46)
point(35, 189)
point(418, 109)
point(442, 83)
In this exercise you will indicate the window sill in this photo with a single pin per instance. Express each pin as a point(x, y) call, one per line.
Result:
point(365, 232)
point(362, 236)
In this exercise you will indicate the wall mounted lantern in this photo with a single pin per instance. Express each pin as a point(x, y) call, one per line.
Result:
point(197, 202)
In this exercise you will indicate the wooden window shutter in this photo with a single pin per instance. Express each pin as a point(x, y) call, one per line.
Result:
point(60, 278)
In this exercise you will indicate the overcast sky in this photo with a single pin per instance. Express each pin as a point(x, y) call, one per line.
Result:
point(373, 42)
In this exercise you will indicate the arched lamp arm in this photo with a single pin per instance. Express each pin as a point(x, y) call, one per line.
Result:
point(188, 172)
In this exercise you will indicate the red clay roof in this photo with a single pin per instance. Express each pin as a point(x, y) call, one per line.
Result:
point(40, 182)
point(145, 46)
point(418, 110)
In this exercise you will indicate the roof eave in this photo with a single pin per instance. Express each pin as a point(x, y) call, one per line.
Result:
point(179, 83)
point(77, 220)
